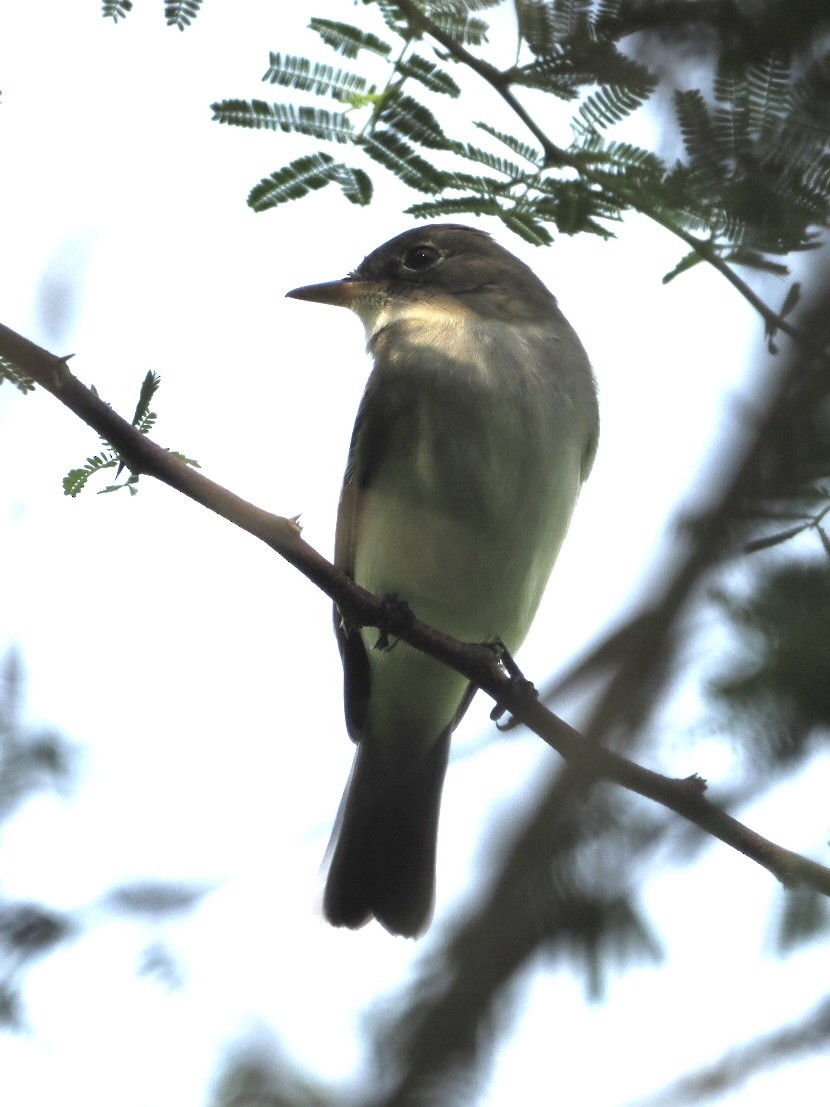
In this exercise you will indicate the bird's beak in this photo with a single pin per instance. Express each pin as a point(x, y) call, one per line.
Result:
point(339, 293)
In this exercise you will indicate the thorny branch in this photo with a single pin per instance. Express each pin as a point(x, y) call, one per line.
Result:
point(477, 662)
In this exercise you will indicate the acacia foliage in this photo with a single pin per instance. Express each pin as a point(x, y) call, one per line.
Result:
point(751, 176)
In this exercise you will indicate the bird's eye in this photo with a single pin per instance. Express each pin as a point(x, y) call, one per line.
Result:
point(420, 257)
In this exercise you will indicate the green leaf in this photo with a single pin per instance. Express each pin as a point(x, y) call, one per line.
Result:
point(322, 80)
point(392, 17)
point(348, 40)
point(688, 261)
point(181, 13)
point(574, 207)
point(529, 153)
point(403, 114)
point(146, 423)
point(482, 186)
point(554, 75)
point(464, 205)
point(574, 43)
point(315, 122)
point(536, 25)
point(143, 416)
point(306, 174)
point(702, 142)
point(355, 184)
point(611, 104)
point(430, 76)
point(76, 479)
point(116, 9)
point(617, 158)
point(453, 16)
point(758, 172)
point(130, 484)
point(492, 161)
point(14, 375)
point(522, 223)
point(570, 19)
point(390, 151)
point(766, 90)
point(191, 461)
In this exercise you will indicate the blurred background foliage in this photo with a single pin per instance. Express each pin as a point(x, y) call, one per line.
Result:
point(33, 759)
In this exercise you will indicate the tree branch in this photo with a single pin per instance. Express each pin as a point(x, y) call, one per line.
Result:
point(479, 663)
point(789, 1042)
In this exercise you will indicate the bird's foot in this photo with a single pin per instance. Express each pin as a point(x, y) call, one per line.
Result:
point(397, 617)
point(517, 679)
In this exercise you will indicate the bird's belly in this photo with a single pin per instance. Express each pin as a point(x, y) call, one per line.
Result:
point(470, 557)
point(469, 547)
point(452, 574)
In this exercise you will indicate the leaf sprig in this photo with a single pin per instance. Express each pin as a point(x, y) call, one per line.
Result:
point(397, 125)
point(15, 375)
point(754, 179)
point(109, 458)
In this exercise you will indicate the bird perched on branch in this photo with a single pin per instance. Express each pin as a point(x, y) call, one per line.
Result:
point(477, 427)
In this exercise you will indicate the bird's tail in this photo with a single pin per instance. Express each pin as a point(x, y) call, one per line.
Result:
point(383, 845)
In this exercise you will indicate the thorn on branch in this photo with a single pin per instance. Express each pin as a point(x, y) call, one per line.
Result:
point(128, 460)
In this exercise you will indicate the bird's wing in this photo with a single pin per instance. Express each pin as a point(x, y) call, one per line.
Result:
point(371, 436)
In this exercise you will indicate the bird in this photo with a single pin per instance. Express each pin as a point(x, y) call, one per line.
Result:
point(476, 430)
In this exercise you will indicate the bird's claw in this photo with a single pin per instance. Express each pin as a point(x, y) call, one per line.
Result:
point(397, 617)
point(518, 680)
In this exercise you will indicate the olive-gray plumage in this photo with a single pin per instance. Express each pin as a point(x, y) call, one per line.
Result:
point(477, 427)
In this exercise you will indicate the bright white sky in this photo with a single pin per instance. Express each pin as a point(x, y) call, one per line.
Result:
point(198, 674)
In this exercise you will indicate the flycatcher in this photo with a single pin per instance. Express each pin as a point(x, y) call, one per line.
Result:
point(477, 427)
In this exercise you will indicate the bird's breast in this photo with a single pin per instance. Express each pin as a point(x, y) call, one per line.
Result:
point(464, 504)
